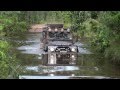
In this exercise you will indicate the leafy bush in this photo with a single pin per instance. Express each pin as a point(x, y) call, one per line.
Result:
point(7, 61)
point(113, 53)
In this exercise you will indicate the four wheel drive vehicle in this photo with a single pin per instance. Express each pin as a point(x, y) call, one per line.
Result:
point(58, 43)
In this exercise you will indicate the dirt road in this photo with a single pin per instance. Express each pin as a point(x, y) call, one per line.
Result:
point(37, 28)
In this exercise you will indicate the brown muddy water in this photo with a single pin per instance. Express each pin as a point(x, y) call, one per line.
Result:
point(30, 54)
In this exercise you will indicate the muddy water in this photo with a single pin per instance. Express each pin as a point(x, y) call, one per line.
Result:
point(88, 65)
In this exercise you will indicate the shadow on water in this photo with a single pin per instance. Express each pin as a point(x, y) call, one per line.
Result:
point(35, 62)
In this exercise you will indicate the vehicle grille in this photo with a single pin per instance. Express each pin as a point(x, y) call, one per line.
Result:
point(63, 58)
point(62, 49)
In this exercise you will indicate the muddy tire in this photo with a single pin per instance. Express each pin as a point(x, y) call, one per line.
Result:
point(77, 50)
point(44, 59)
point(46, 49)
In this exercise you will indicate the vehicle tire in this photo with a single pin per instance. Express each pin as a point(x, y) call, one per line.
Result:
point(46, 49)
point(77, 50)
point(45, 59)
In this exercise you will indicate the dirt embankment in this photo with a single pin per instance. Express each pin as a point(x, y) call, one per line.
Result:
point(37, 28)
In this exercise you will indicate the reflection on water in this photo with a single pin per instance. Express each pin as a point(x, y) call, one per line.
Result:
point(35, 61)
point(52, 68)
point(49, 69)
point(31, 49)
point(64, 77)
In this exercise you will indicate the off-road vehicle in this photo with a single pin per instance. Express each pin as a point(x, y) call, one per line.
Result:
point(59, 45)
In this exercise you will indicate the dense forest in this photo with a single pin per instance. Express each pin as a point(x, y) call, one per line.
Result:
point(101, 29)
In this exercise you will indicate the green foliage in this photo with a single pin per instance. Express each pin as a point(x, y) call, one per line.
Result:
point(113, 53)
point(101, 40)
point(4, 46)
point(7, 60)
point(101, 28)
point(3, 57)
point(10, 22)
point(18, 27)
point(1, 27)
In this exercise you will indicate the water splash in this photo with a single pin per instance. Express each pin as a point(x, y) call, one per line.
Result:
point(46, 69)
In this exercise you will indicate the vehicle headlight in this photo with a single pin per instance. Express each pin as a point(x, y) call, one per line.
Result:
point(73, 49)
point(51, 49)
point(73, 56)
point(70, 38)
point(52, 59)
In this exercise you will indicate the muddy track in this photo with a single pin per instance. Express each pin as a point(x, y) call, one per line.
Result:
point(37, 28)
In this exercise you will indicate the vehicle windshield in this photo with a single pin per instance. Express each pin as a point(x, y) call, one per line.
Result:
point(60, 35)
